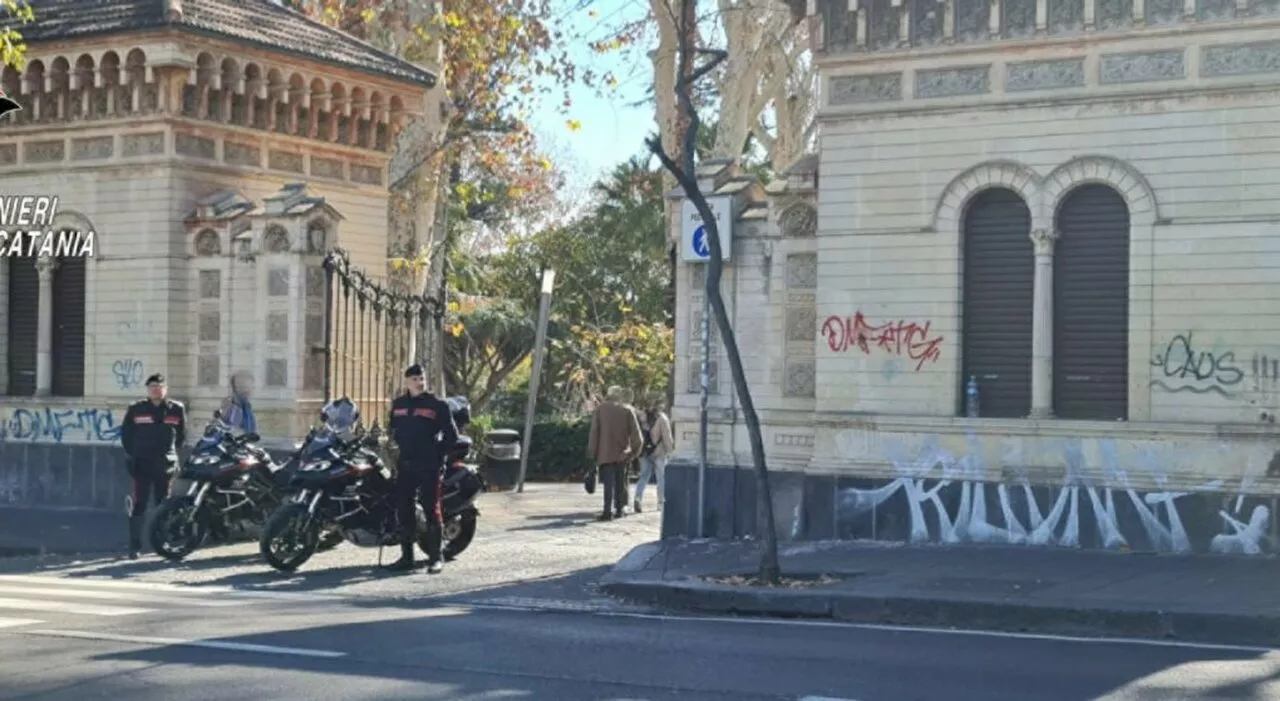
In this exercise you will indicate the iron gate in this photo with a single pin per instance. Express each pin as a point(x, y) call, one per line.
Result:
point(369, 333)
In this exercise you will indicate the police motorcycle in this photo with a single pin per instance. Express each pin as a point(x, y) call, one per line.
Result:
point(233, 484)
point(463, 484)
point(345, 491)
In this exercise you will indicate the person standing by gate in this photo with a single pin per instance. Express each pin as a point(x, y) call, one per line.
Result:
point(151, 432)
point(423, 429)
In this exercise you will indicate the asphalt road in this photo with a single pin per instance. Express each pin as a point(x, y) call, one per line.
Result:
point(518, 617)
point(378, 650)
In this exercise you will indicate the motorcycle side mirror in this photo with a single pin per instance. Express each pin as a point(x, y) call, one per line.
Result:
point(217, 414)
point(252, 438)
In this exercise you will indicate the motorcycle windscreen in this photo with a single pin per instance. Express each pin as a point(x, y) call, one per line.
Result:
point(212, 438)
point(320, 448)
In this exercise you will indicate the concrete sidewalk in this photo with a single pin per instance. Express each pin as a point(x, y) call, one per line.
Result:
point(30, 530)
point(1230, 600)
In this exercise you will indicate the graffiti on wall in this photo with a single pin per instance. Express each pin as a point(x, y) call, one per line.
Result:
point(1266, 378)
point(908, 339)
point(938, 496)
point(1182, 365)
point(1179, 366)
point(59, 425)
point(128, 372)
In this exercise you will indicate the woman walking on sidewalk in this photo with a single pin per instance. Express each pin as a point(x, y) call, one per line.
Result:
point(658, 444)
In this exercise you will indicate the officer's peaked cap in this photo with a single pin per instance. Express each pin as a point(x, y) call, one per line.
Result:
point(414, 370)
point(156, 379)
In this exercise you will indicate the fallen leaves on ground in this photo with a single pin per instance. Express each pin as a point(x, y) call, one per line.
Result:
point(745, 580)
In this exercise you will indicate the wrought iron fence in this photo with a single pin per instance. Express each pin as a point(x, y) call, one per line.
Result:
point(369, 332)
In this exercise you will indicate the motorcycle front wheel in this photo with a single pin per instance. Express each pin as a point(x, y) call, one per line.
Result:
point(177, 528)
point(289, 538)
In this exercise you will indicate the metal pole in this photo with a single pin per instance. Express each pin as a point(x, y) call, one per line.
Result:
point(548, 282)
point(702, 412)
point(328, 328)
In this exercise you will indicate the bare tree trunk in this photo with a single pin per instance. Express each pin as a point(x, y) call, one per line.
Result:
point(792, 99)
point(684, 173)
point(663, 58)
point(752, 28)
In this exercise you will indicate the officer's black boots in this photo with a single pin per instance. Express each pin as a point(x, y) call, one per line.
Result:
point(405, 563)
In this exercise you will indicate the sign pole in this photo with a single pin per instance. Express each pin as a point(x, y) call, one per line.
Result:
point(695, 249)
point(705, 379)
point(539, 352)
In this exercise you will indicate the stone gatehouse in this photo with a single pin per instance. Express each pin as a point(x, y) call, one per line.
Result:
point(218, 149)
point(1068, 203)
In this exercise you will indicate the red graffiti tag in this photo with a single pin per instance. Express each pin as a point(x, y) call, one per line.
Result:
point(895, 337)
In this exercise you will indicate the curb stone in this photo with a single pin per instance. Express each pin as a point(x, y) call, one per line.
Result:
point(1215, 628)
point(19, 551)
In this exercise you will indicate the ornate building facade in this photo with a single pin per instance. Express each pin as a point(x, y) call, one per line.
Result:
point(1061, 204)
point(218, 149)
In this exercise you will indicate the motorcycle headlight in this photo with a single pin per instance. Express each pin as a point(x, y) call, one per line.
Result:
point(204, 459)
point(316, 466)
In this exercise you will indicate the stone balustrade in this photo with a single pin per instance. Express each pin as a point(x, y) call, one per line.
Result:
point(218, 89)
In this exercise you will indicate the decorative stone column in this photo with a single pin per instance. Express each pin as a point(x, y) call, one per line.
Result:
point(1042, 325)
point(44, 328)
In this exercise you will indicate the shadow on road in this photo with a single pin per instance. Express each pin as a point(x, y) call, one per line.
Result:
point(558, 521)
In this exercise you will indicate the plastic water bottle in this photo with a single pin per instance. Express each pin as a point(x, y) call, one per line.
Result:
point(971, 397)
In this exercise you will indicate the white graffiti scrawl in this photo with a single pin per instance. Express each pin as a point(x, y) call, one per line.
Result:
point(923, 476)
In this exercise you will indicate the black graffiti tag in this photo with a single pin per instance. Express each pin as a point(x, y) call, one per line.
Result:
point(1186, 370)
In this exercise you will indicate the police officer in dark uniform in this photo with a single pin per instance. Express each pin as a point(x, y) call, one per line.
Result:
point(151, 432)
point(423, 429)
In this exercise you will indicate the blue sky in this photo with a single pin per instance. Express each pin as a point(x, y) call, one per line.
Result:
point(612, 129)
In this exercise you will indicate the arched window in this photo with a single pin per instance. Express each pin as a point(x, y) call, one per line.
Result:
point(23, 326)
point(66, 287)
point(996, 303)
point(1091, 305)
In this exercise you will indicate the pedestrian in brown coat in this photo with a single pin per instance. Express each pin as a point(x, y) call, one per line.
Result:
point(614, 442)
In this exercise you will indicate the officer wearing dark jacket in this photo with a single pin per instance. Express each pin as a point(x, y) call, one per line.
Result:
point(151, 432)
point(423, 430)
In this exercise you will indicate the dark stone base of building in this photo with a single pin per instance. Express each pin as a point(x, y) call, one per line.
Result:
point(82, 476)
point(825, 507)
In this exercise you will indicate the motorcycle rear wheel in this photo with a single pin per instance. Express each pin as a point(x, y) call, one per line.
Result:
point(291, 525)
point(176, 516)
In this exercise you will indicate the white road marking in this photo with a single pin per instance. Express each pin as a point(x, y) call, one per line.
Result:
point(179, 642)
point(105, 583)
point(69, 607)
point(15, 622)
point(46, 592)
point(1047, 637)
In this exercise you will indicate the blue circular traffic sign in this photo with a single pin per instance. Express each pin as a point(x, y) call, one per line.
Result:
point(701, 248)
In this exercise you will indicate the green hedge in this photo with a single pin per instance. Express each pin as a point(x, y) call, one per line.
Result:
point(559, 450)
